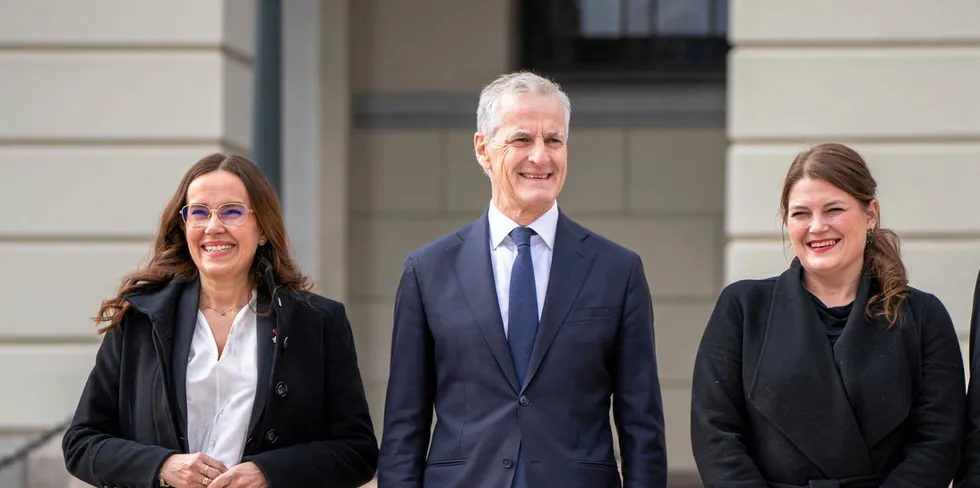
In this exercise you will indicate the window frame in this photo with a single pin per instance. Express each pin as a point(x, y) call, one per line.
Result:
point(632, 59)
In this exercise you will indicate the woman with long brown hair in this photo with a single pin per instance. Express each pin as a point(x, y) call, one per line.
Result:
point(835, 373)
point(219, 367)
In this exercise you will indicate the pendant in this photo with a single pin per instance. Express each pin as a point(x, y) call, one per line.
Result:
point(222, 314)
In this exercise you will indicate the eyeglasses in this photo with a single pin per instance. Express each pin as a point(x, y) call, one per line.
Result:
point(230, 214)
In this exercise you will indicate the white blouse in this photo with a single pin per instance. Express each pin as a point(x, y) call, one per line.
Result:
point(221, 392)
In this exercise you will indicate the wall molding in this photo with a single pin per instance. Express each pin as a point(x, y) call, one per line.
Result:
point(674, 106)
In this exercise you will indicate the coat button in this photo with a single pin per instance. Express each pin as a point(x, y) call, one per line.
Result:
point(281, 390)
point(271, 436)
point(508, 463)
point(285, 342)
point(250, 441)
point(524, 400)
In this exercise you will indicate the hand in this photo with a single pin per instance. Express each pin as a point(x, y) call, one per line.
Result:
point(191, 470)
point(245, 475)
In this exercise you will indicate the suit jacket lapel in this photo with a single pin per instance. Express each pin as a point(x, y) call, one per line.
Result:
point(471, 265)
point(873, 366)
point(570, 266)
point(797, 386)
point(186, 321)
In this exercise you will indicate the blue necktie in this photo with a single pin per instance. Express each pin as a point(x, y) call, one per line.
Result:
point(522, 317)
point(522, 322)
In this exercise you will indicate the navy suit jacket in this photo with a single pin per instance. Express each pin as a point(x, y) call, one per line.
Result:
point(595, 343)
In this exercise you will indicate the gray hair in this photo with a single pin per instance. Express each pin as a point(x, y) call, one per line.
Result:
point(488, 114)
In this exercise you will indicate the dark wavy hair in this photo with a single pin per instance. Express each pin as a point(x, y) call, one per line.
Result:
point(844, 168)
point(171, 260)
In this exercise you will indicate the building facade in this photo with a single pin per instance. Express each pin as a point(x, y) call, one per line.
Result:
point(105, 104)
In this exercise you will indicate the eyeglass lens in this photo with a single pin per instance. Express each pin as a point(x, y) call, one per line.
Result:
point(230, 214)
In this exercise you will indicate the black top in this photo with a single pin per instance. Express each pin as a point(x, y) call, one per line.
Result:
point(835, 318)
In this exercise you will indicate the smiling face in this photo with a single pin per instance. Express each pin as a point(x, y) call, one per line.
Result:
point(526, 157)
point(828, 227)
point(221, 252)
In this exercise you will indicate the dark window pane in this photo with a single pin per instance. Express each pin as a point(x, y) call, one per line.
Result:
point(624, 40)
point(639, 18)
point(721, 17)
point(683, 17)
point(600, 18)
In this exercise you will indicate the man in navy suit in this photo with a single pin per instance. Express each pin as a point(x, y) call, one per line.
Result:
point(520, 329)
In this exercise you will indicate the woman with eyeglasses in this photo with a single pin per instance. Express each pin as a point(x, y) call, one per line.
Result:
point(219, 367)
point(836, 373)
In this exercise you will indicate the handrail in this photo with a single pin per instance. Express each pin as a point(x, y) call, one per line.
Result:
point(24, 451)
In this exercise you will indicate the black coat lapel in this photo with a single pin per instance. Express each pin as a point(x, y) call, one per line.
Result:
point(471, 264)
point(570, 265)
point(273, 324)
point(266, 350)
point(186, 322)
point(874, 367)
point(797, 386)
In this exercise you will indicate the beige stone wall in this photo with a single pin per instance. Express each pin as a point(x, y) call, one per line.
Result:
point(897, 81)
point(428, 45)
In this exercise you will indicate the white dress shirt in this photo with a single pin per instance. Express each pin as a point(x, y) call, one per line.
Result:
point(503, 253)
point(221, 391)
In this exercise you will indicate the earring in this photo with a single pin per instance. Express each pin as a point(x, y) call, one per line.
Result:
point(871, 238)
point(262, 240)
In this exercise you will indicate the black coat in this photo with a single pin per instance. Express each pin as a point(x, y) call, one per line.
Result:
point(774, 405)
point(311, 426)
point(968, 475)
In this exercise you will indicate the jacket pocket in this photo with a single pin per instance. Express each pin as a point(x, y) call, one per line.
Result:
point(445, 462)
point(589, 314)
point(598, 464)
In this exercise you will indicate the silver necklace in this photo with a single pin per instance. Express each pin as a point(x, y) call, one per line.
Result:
point(223, 312)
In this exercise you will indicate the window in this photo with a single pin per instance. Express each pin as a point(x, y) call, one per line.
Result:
point(624, 40)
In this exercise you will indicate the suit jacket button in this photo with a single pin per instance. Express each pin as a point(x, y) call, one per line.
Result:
point(271, 436)
point(281, 390)
point(250, 441)
point(285, 342)
point(524, 400)
point(508, 463)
